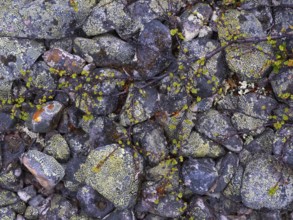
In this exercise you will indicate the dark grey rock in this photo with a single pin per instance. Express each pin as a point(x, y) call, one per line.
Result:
point(45, 168)
point(204, 79)
point(42, 77)
point(125, 214)
point(263, 143)
point(19, 207)
point(42, 19)
point(64, 44)
point(140, 105)
point(58, 148)
point(26, 193)
point(92, 203)
point(283, 144)
point(105, 50)
point(5, 90)
point(218, 127)
point(31, 213)
point(263, 183)
point(17, 55)
point(149, 137)
point(6, 122)
point(199, 146)
point(199, 175)
point(7, 213)
point(36, 200)
point(282, 84)
point(11, 179)
point(198, 209)
point(7, 198)
point(115, 173)
point(227, 167)
point(284, 113)
point(247, 64)
point(203, 105)
point(78, 143)
point(153, 51)
point(46, 118)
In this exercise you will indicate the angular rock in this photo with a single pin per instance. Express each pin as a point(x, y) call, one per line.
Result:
point(45, 168)
point(114, 172)
point(153, 52)
point(152, 142)
point(64, 61)
point(249, 62)
point(46, 118)
point(57, 147)
point(125, 214)
point(217, 127)
point(200, 146)
point(17, 55)
point(31, 213)
point(200, 209)
point(43, 19)
point(105, 50)
point(64, 44)
point(78, 143)
point(11, 179)
point(5, 90)
point(6, 122)
point(7, 198)
point(139, 106)
point(199, 175)
point(267, 183)
point(42, 77)
point(232, 191)
point(205, 76)
point(282, 84)
point(7, 213)
point(92, 203)
point(262, 143)
point(27, 193)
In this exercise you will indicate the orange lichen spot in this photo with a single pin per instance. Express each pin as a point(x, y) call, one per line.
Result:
point(50, 106)
point(37, 115)
point(54, 56)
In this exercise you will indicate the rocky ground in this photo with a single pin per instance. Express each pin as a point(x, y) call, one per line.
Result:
point(146, 109)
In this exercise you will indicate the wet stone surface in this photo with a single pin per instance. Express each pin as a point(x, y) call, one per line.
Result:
point(146, 109)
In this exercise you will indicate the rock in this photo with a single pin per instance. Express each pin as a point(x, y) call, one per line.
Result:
point(7, 213)
point(283, 144)
point(152, 142)
point(194, 19)
point(64, 44)
point(125, 214)
point(6, 122)
point(249, 64)
point(46, 118)
point(199, 209)
point(78, 143)
point(27, 193)
point(282, 84)
point(105, 50)
point(7, 198)
point(17, 55)
point(114, 172)
point(57, 147)
point(45, 168)
point(266, 183)
point(19, 207)
point(217, 127)
point(43, 19)
point(199, 175)
point(262, 143)
point(42, 77)
point(92, 203)
point(108, 16)
point(11, 179)
point(153, 52)
point(31, 213)
point(199, 146)
point(139, 106)
point(203, 105)
point(205, 76)
point(61, 60)
point(36, 200)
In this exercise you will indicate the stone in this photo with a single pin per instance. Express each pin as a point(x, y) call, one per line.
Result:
point(7, 213)
point(45, 168)
point(125, 214)
point(267, 183)
point(61, 60)
point(58, 148)
point(78, 143)
point(153, 52)
point(105, 50)
point(46, 118)
point(7, 198)
point(199, 209)
point(249, 62)
point(262, 143)
point(31, 213)
point(198, 146)
point(27, 193)
point(17, 55)
point(64, 44)
point(92, 203)
point(199, 175)
point(139, 106)
point(42, 77)
point(114, 173)
point(6, 122)
point(11, 179)
point(218, 127)
point(152, 142)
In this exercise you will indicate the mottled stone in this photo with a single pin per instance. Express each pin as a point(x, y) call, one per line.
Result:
point(17, 55)
point(199, 146)
point(42, 77)
point(64, 61)
point(27, 193)
point(199, 209)
point(6, 122)
point(217, 127)
point(78, 143)
point(199, 175)
point(57, 147)
point(114, 172)
point(125, 214)
point(64, 44)
point(92, 203)
point(7, 213)
point(105, 50)
point(5, 90)
point(206, 76)
point(249, 62)
point(31, 213)
point(45, 168)
point(267, 183)
point(7, 198)
point(46, 118)
point(11, 179)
